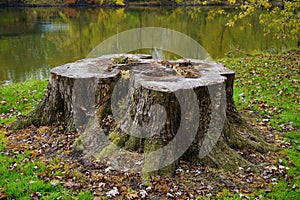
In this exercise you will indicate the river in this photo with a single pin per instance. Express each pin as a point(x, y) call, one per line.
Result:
point(34, 40)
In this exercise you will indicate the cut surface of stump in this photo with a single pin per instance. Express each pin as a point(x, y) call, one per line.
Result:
point(145, 115)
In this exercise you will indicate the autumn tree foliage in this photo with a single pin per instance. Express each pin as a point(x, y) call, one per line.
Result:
point(71, 1)
point(74, 2)
point(282, 19)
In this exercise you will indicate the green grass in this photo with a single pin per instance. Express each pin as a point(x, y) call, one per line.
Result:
point(284, 189)
point(266, 85)
point(20, 178)
point(270, 86)
point(19, 174)
point(3, 140)
point(20, 98)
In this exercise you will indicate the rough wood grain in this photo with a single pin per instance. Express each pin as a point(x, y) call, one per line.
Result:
point(130, 107)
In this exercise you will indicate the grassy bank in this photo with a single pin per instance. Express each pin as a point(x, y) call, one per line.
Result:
point(20, 178)
point(268, 86)
point(266, 93)
point(19, 170)
point(19, 99)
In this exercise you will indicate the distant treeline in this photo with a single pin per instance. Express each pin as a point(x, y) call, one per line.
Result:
point(36, 3)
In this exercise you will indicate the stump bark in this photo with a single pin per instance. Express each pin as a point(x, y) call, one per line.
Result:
point(145, 114)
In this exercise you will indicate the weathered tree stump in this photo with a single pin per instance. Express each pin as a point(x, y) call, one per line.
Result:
point(147, 114)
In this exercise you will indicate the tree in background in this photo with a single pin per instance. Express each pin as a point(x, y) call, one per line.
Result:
point(283, 21)
point(282, 18)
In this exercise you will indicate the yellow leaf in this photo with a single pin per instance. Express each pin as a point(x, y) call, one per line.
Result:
point(120, 3)
point(230, 23)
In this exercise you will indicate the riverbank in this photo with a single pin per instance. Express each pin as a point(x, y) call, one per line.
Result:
point(37, 163)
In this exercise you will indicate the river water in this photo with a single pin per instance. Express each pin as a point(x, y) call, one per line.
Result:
point(34, 40)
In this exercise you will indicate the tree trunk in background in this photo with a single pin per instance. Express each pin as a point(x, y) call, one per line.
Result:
point(144, 115)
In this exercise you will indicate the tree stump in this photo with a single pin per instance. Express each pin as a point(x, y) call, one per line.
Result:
point(144, 114)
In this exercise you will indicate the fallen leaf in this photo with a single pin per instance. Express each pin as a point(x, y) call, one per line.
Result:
point(3, 195)
point(71, 184)
point(294, 187)
point(54, 182)
point(132, 195)
point(113, 192)
point(35, 195)
point(143, 193)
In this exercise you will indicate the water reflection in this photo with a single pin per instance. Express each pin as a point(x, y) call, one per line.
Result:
point(50, 27)
point(33, 40)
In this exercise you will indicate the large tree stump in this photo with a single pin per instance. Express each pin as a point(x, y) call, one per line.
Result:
point(147, 114)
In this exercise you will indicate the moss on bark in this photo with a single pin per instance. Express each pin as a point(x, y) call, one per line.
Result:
point(92, 110)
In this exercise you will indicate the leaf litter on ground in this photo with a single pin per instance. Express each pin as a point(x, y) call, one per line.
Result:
point(265, 93)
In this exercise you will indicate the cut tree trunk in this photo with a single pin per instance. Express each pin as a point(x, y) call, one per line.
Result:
point(147, 114)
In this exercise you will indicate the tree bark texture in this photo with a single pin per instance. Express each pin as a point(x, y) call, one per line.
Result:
point(144, 114)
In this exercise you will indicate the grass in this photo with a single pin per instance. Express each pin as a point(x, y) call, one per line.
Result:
point(269, 85)
point(19, 99)
point(19, 173)
point(20, 178)
point(266, 88)
point(284, 188)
